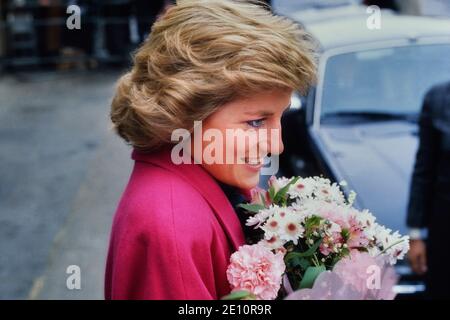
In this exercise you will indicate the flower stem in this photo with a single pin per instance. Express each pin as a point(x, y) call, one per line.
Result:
point(315, 260)
point(392, 245)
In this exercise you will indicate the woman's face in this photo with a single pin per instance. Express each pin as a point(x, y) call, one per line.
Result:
point(251, 129)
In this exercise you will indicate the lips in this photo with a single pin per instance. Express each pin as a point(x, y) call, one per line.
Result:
point(254, 164)
point(254, 161)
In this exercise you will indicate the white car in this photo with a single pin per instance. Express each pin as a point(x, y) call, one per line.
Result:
point(359, 123)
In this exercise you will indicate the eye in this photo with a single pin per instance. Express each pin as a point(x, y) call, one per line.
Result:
point(256, 123)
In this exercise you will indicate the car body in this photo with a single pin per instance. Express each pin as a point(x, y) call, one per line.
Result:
point(322, 13)
point(359, 123)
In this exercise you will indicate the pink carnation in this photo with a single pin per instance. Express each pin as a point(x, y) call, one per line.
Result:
point(256, 269)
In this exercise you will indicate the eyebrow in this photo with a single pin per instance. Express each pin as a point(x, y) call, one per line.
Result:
point(265, 113)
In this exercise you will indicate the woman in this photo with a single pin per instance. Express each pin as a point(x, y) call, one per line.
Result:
point(233, 66)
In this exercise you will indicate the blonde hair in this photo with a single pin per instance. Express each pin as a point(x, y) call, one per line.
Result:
point(200, 55)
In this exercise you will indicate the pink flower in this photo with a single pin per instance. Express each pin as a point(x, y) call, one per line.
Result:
point(357, 238)
point(370, 276)
point(277, 183)
point(336, 214)
point(327, 286)
point(373, 277)
point(331, 285)
point(345, 218)
point(260, 196)
point(330, 243)
point(255, 268)
point(353, 269)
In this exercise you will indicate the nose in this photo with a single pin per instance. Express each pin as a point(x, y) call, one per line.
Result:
point(276, 143)
point(276, 146)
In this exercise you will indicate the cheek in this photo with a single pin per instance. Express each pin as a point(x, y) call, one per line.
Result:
point(236, 175)
point(239, 175)
point(245, 145)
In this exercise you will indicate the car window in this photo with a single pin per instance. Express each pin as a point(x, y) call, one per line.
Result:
point(391, 80)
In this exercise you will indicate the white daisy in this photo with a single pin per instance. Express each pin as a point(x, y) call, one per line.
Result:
point(351, 198)
point(272, 226)
point(303, 188)
point(292, 229)
point(330, 193)
point(274, 242)
point(368, 221)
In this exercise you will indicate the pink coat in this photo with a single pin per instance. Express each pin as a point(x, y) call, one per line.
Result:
point(172, 235)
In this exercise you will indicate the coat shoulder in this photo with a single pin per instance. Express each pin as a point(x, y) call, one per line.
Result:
point(158, 202)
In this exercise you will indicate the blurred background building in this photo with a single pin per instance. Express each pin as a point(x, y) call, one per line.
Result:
point(34, 32)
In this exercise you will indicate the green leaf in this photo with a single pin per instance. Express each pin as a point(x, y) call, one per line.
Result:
point(271, 193)
point(282, 192)
point(239, 295)
point(345, 233)
point(311, 224)
point(262, 198)
point(299, 262)
point(251, 207)
point(308, 252)
point(313, 221)
point(310, 276)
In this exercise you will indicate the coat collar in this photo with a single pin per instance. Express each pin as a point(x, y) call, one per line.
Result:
point(208, 187)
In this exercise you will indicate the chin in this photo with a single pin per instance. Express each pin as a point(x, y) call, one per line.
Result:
point(237, 177)
point(248, 182)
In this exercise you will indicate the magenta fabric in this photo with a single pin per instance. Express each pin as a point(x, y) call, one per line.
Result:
point(173, 233)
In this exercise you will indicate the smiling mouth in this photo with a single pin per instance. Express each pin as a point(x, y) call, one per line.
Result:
point(256, 162)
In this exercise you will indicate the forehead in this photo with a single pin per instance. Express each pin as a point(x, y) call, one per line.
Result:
point(257, 105)
point(270, 101)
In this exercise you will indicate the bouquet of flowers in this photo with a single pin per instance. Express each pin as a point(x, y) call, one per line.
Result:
point(315, 245)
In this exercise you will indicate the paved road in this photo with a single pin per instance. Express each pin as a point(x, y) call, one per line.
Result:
point(61, 173)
